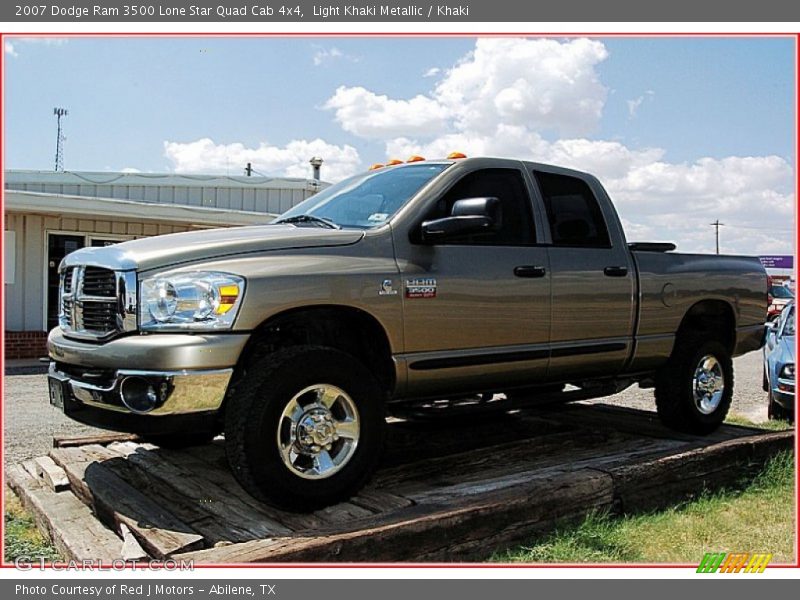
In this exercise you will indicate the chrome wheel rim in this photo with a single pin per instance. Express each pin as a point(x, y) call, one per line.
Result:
point(318, 431)
point(708, 384)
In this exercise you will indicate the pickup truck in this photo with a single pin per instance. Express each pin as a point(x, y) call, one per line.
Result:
point(423, 280)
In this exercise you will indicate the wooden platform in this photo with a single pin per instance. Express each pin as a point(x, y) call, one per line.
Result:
point(444, 493)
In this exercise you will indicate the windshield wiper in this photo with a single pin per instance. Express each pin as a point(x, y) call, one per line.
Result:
point(309, 219)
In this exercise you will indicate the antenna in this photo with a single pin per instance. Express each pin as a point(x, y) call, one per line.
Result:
point(60, 112)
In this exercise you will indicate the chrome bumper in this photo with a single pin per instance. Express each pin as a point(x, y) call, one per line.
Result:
point(180, 392)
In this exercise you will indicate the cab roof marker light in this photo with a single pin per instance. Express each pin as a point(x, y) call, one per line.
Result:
point(415, 158)
point(454, 155)
point(393, 161)
point(376, 166)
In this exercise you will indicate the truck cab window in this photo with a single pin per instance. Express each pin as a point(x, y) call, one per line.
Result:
point(572, 210)
point(509, 187)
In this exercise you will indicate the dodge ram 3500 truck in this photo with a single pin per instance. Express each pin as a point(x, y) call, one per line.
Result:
point(430, 279)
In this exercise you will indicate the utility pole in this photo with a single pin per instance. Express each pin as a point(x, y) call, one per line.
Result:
point(248, 169)
point(60, 112)
point(717, 225)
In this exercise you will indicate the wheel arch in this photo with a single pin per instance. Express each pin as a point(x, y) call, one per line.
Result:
point(345, 328)
point(710, 317)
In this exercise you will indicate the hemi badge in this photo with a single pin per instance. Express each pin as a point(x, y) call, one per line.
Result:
point(421, 288)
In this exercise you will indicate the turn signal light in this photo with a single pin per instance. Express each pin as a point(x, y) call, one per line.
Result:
point(228, 294)
point(415, 158)
point(453, 155)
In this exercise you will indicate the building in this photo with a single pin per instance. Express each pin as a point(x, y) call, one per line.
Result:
point(50, 214)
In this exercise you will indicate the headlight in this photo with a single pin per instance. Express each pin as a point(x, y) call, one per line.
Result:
point(199, 300)
point(787, 372)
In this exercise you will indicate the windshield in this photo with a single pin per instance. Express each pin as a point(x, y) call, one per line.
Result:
point(788, 328)
point(368, 199)
point(779, 291)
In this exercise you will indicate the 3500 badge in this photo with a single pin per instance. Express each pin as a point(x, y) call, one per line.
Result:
point(421, 288)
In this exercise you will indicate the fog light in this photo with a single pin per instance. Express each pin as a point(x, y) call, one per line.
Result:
point(138, 394)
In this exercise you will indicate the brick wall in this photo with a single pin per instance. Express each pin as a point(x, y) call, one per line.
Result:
point(25, 344)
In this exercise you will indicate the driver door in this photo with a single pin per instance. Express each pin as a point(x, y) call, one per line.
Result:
point(476, 308)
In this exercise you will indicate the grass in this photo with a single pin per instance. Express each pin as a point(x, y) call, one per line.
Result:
point(734, 419)
point(22, 538)
point(758, 518)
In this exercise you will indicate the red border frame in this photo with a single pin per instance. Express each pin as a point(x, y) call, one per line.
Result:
point(472, 35)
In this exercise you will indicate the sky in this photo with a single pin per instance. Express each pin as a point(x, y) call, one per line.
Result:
point(681, 131)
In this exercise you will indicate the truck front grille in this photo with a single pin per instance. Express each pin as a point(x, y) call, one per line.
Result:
point(99, 282)
point(96, 302)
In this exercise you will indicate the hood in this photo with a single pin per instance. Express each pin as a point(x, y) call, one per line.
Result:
point(168, 250)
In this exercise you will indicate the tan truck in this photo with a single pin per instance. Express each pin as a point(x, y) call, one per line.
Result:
point(431, 279)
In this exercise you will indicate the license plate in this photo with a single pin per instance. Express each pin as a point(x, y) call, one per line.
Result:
point(56, 392)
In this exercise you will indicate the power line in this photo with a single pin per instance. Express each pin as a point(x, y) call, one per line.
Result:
point(717, 224)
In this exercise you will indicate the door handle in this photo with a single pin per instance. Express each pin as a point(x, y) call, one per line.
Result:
point(615, 271)
point(530, 271)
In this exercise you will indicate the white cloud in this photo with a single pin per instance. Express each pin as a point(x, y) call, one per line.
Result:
point(369, 115)
point(323, 55)
point(11, 45)
point(432, 72)
point(633, 105)
point(130, 170)
point(540, 84)
point(291, 160)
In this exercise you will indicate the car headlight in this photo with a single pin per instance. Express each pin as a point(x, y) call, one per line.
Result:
point(787, 372)
point(198, 300)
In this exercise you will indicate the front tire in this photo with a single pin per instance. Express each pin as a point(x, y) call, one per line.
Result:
point(304, 427)
point(694, 389)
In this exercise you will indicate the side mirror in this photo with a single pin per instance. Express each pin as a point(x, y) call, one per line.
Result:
point(468, 216)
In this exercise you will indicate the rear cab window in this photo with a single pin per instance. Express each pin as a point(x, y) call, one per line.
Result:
point(573, 212)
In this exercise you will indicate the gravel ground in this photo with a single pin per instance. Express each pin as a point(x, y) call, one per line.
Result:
point(30, 422)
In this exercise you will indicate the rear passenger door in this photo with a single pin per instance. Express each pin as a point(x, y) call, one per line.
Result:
point(592, 278)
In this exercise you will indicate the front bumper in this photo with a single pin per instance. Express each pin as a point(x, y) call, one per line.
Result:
point(783, 393)
point(188, 375)
point(178, 392)
point(158, 351)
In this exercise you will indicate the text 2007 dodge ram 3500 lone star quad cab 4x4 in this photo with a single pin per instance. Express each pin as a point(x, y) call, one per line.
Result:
point(424, 280)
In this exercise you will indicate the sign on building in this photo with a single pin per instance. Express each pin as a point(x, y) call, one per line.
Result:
point(777, 261)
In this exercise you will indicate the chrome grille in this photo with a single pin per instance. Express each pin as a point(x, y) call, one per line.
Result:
point(96, 302)
point(99, 282)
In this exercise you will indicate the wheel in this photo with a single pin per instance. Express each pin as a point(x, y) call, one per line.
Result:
point(694, 390)
point(180, 440)
point(304, 427)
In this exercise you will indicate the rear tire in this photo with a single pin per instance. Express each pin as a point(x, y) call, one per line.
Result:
point(695, 388)
point(304, 427)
